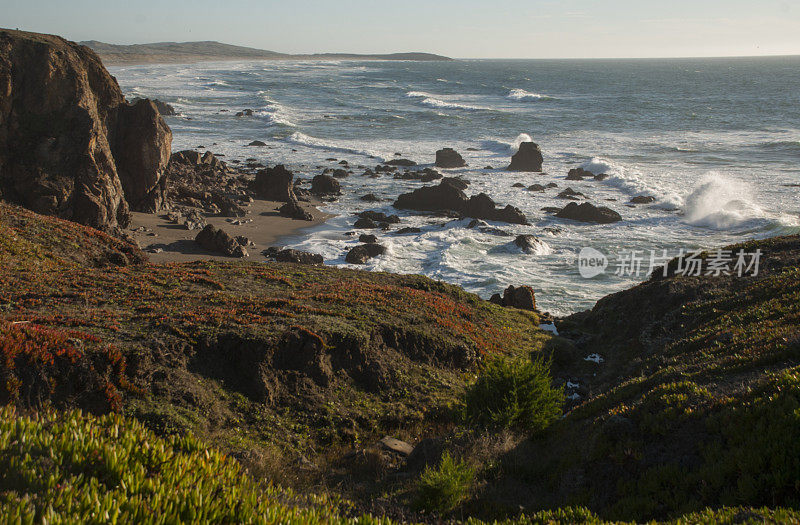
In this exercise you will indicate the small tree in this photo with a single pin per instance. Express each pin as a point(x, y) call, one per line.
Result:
point(514, 393)
point(443, 488)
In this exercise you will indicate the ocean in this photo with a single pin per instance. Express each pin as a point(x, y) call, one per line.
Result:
point(715, 141)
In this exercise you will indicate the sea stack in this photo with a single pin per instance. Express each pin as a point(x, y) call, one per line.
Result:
point(449, 158)
point(527, 158)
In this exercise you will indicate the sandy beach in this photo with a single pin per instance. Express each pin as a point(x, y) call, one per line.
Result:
point(153, 231)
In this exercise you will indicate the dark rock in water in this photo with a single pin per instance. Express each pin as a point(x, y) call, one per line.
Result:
point(379, 216)
point(325, 185)
point(551, 185)
point(643, 199)
point(551, 209)
point(528, 243)
point(293, 210)
point(216, 240)
point(456, 182)
point(517, 185)
point(448, 197)
point(601, 176)
point(571, 194)
point(274, 184)
point(343, 163)
point(449, 158)
point(521, 297)
point(257, 143)
point(536, 187)
point(70, 145)
point(578, 174)
point(365, 224)
point(367, 238)
point(400, 162)
point(587, 212)
point(245, 113)
point(445, 196)
point(298, 257)
point(340, 174)
point(369, 197)
point(527, 158)
point(364, 252)
point(408, 229)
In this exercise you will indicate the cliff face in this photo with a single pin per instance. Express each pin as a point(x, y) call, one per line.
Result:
point(69, 143)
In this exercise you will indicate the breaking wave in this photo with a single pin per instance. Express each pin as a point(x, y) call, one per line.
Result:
point(521, 94)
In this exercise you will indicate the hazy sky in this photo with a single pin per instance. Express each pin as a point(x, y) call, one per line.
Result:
point(464, 28)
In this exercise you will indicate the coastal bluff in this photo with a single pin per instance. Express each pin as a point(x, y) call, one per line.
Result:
point(70, 145)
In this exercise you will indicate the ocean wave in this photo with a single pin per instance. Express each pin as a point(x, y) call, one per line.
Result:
point(329, 145)
point(720, 203)
point(782, 145)
point(502, 147)
point(427, 99)
point(522, 95)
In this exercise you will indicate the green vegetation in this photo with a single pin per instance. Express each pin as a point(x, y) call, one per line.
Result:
point(514, 394)
point(444, 487)
point(692, 416)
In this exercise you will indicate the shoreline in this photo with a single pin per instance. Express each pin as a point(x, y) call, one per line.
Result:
point(266, 229)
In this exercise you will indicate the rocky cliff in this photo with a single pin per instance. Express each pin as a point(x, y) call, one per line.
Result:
point(70, 145)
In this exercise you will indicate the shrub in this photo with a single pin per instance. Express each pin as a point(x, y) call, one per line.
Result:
point(443, 488)
point(515, 394)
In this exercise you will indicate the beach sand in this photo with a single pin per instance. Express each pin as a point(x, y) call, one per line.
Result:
point(178, 243)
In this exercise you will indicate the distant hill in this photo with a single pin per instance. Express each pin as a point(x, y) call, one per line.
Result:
point(209, 50)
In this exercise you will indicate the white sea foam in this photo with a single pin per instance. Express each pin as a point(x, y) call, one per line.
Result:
point(329, 145)
point(521, 94)
point(437, 102)
point(720, 203)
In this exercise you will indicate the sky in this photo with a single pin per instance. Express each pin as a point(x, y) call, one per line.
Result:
point(461, 29)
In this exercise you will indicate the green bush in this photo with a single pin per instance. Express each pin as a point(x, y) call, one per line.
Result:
point(516, 394)
point(443, 488)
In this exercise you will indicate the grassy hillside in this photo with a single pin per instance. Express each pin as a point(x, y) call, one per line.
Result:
point(295, 372)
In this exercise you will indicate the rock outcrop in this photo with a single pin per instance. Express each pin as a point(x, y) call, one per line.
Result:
point(299, 257)
point(587, 212)
point(70, 145)
point(274, 184)
point(521, 297)
point(449, 158)
point(448, 196)
point(527, 158)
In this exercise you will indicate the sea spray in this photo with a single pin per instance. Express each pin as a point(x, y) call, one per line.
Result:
point(720, 203)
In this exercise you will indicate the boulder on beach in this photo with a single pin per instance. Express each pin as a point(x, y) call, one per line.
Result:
point(325, 185)
point(218, 241)
point(370, 197)
point(527, 158)
point(274, 184)
point(365, 224)
point(364, 252)
point(257, 143)
point(587, 212)
point(536, 187)
point(293, 210)
point(449, 158)
point(70, 145)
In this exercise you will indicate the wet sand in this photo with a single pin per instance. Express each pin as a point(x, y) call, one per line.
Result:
point(178, 243)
